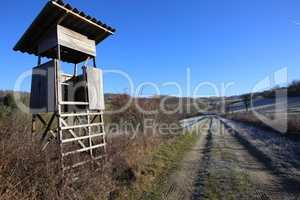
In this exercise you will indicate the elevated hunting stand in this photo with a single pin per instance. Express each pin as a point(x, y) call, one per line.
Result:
point(75, 101)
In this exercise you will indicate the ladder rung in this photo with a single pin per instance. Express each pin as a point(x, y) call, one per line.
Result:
point(68, 75)
point(73, 103)
point(83, 149)
point(65, 83)
point(80, 114)
point(81, 126)
point(82, 138)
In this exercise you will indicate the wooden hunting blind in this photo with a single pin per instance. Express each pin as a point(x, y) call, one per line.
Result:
point(62, 33)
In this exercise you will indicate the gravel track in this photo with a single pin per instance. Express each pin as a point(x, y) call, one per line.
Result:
point(270, 177)
point(182, 182)
point(226, 165)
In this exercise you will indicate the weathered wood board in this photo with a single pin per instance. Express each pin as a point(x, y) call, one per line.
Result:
point(74, 40)
point(48, 41)
point(95, 88)
point(67, 38)
point(42, 98)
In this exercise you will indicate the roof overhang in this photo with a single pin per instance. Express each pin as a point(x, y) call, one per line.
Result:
point(54, 13)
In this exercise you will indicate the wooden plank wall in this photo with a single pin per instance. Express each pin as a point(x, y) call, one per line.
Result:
point(77, 41)
point(42, 98)
point(48, 41)
point(95, 89)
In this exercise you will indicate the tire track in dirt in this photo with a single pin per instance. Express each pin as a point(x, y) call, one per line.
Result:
point(268, 184)
point(221, 177)
point(223, 165)
point(203, 170)
point(182, 182)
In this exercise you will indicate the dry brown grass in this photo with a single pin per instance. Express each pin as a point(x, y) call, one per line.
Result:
point(294, 124)
point(248, 117)
point(27, 173)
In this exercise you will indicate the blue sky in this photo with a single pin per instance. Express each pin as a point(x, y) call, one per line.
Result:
point(221, 41)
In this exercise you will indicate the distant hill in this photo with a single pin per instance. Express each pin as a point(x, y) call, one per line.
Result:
point(189, 106)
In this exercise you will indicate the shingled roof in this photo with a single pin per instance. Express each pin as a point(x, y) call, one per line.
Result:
point(57, 12)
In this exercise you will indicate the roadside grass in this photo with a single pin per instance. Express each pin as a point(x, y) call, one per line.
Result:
point(238, 185)
point(153, 180)
point(293, 121)
point(226, 180)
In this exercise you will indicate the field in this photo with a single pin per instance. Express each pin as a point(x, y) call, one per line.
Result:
point(269, 108)
point(234, 156)
point(136, 159)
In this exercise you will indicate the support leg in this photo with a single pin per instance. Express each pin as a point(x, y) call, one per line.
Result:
point(33, 125)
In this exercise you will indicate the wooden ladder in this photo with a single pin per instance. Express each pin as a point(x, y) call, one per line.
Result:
point(81, 134)
point(82, 139)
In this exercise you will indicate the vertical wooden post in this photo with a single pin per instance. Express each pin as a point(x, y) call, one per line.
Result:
point(39, 61)
point(33, 126)
point(75, 70)
point(94, 62)
point(58, 104)
point(33, 121)
point(89, 132)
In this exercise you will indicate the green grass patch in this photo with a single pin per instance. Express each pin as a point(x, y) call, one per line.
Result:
point(237, 185)
point(153, 180)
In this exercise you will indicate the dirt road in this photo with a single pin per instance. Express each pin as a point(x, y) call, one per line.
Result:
point(182, 182)
point(222, 165)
